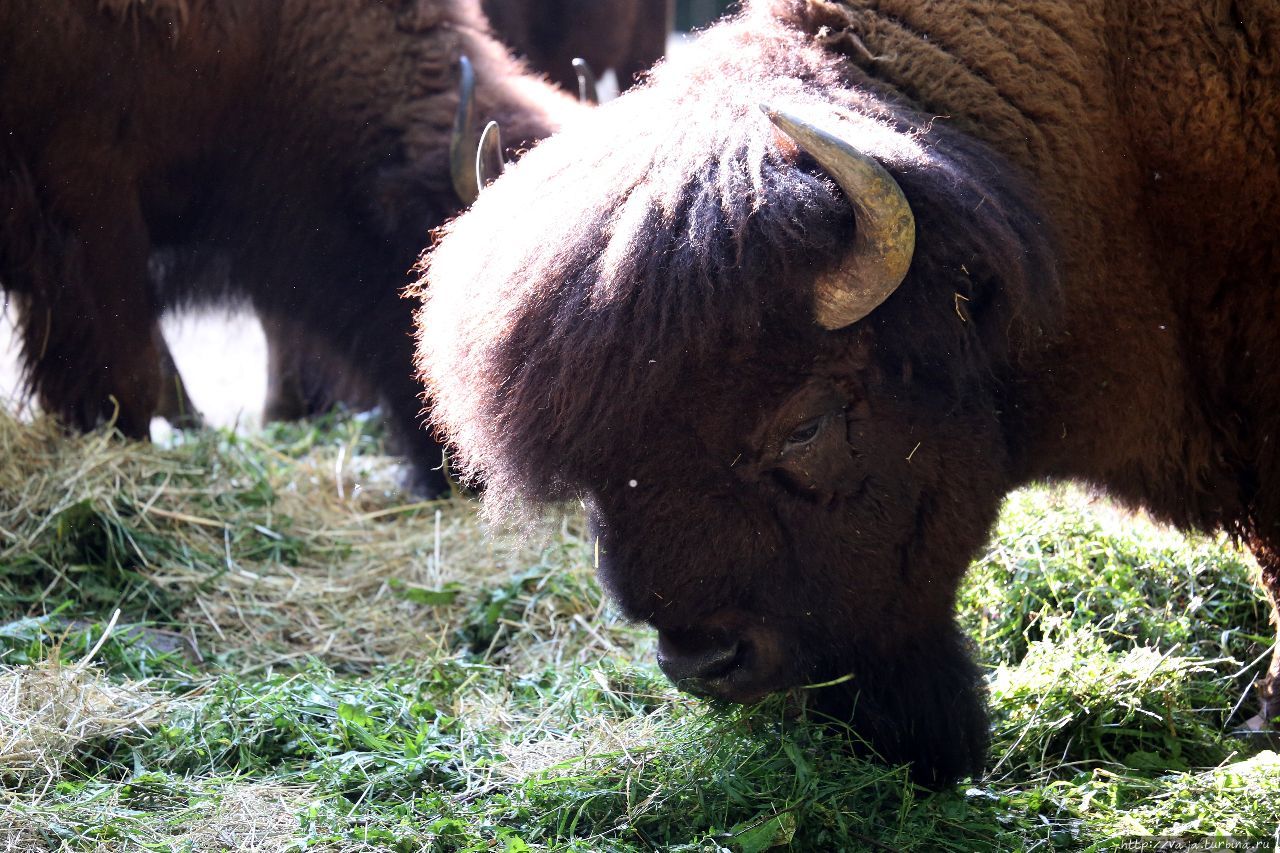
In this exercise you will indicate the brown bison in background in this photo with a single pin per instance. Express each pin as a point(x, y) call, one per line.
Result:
point(792, 361)
point(291, 154)
point(628, 36)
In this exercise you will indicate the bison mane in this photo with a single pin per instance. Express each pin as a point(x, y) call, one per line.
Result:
point(674, 229)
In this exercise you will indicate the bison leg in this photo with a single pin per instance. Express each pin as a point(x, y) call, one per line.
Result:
point(373, 343)
point(305, 378)
point(90, 332)
point(401, 398)
point(286, 399)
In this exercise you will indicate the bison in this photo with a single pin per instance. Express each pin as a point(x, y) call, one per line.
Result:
point(628, 36)
point(302, 378)
point(294, 155)
point(792, 358)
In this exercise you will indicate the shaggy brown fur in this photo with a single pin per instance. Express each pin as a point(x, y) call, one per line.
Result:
point(1093, 297)
point(628, 36)
point(294, 154)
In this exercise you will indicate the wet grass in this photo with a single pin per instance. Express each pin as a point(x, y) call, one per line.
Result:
point(306, 660)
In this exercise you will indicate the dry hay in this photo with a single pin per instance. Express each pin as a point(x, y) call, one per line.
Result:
point(49, 712)
point(386, 583)
point(594, 745)
point(18, 834)
point(255, 817)
point(371, 605)
point(374, 577)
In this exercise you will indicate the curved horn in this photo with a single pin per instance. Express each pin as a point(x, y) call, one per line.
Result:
point(489, 164)
point(588, 92)
point(886, 228)
point(462, 145)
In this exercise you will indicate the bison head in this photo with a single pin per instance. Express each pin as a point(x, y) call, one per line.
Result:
point(692, 321)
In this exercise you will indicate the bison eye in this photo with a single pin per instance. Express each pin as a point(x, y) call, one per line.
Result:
point(803, 434)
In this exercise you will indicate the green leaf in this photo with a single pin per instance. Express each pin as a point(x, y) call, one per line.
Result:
point(764, 833)
point(422, 595)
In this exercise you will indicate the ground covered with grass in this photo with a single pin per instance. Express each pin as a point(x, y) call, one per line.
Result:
point(254, 642)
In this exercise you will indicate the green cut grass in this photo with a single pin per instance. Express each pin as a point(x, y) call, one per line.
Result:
point(305, 659)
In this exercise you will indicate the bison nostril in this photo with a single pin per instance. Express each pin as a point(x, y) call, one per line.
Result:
point(682, 662)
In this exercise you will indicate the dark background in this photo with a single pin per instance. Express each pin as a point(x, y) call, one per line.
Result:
point(695, 14)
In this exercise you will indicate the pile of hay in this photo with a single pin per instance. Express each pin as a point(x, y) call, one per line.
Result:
point(274, 556)
point(254, 553)
point(50, 713)
point(250, 817)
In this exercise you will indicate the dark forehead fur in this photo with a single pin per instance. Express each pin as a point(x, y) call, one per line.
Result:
point(673, 236)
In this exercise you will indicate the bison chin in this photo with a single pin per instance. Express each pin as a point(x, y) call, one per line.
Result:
point(926, 709)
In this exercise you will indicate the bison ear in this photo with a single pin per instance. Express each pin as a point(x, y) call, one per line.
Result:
point(886, 229)
point(462, 145)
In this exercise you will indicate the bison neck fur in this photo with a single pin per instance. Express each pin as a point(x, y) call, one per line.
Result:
point(1092, 297)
